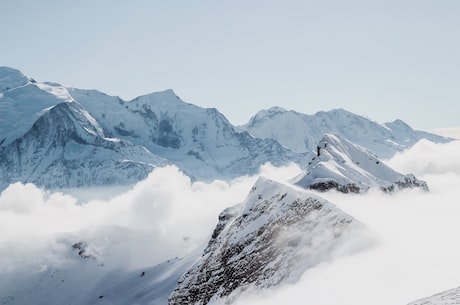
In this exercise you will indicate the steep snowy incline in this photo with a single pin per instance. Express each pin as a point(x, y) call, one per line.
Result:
point(346, 167)
point(84, 280)
point(273, 237)
point(449, 297)
point(22, 102)
point(301, 132)
point(66, 147)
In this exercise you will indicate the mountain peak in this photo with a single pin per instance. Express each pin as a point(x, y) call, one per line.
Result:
point(276, 234)
point(270, 112)
point(167, 95)
point(347, 167)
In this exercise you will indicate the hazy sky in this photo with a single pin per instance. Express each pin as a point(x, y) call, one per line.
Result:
point(385, 59)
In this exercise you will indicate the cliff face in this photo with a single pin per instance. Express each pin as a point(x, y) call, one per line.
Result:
point(271, 238)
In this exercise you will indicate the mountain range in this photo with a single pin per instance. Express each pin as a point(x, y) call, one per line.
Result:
point(61, 137)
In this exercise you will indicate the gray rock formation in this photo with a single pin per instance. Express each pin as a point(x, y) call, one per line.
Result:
point(272, 238)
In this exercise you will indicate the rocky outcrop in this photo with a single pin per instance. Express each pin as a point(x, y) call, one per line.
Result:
point(271, 238)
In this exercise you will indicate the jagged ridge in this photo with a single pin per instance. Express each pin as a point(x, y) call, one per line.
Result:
point(271, 238)
point(346, 167)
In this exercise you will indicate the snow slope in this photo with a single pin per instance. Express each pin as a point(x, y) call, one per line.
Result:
point(274, 236)
point(87, 280)
point(66, 147)
point(301, 132)
point(347, 167)
point(449, 297)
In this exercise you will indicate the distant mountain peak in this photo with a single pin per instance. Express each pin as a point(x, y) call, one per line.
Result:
point(347, 167)
point(167, 95)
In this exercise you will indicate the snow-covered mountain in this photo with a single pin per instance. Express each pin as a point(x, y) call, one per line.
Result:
point(274, 236)
point(301, 132)
point(56, 136)
point(449, 297)
point(85, 279)
point(67, 147)
point(347, 167)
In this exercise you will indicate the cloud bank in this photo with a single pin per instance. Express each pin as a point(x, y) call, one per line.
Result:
point(162, 217)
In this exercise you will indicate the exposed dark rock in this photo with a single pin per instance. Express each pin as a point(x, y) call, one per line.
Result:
point(272, 238)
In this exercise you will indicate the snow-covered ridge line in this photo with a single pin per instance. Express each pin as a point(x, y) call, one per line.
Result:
point(301, 132)
point(347, 167)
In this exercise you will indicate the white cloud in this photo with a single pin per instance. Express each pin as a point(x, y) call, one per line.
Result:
point(161, 217)
point(426, 158)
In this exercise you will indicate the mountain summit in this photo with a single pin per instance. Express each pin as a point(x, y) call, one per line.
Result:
point(346, 167)
point(274, 236)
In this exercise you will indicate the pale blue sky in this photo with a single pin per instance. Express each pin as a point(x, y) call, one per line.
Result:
point(385, 59)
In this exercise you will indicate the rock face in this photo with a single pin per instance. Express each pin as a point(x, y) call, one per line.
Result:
point(449, 297)
point(271, 238)
point(349, 168)
point(301, 132)
point(56, 136)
